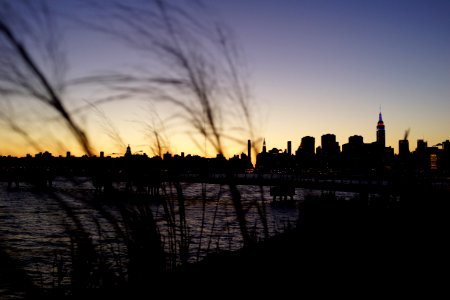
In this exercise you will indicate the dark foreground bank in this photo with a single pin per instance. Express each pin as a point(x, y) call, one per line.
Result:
point(385, 246)
point(391, 245)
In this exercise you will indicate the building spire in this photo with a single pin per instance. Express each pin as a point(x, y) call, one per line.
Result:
point(381, 135)
point(264, 150)
point(128, 151)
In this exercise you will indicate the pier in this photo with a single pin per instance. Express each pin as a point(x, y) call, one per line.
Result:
point(331, 183)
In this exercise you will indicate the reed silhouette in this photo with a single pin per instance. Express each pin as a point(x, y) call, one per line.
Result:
point(22, 76)
point(202, 78)
point(125, 247)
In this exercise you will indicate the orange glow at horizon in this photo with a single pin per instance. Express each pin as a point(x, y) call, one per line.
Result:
point(316, 68)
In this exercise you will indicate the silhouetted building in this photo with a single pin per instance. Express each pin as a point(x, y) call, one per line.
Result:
point(262, 159)
point(355, 154)
point(446, 146)
point(403, 148)
point(421, 146)
point(354, 147)
point(330, 148)
point(128, 152)
point(249, 150)
point(432, 160)
point(426, 158)
point(273, 161)
point(444, 157)
point(422, 156)
point(305, 154)
point(274, 151)
point(238, 164)
point(328, 154)
point(356, 140)
point(381, 134)
point(289, 147)
point(308, 146)
point(167, 156)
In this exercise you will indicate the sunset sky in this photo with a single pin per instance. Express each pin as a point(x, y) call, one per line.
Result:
point(314, 67)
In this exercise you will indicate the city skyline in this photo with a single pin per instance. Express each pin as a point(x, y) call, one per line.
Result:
point(266, 146)
point(314, 67)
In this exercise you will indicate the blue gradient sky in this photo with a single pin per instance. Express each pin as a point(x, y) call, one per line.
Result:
point(315, 67)
point(326, 66)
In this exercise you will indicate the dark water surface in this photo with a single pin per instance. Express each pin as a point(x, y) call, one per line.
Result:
point(35, 225)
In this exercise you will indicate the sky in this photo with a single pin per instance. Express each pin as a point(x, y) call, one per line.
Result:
point(314, 67)
point(327, 66)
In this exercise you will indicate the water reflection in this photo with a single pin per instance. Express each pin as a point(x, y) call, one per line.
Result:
point(36, 226)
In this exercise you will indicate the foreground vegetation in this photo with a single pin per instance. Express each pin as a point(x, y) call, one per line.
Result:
point(375, 243)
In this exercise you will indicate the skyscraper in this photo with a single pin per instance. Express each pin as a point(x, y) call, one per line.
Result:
point(307, 145)
point(403, 148)
point(330, 148)
point(381, 136)
point(249, 150)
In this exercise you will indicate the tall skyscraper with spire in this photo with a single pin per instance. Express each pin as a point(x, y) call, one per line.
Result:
point(381, 135)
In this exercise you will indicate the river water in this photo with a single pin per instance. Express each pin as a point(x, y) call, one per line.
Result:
point(36, 226)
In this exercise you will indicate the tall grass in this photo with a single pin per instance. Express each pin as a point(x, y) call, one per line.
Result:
point(200, 76)
point(21, 75)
